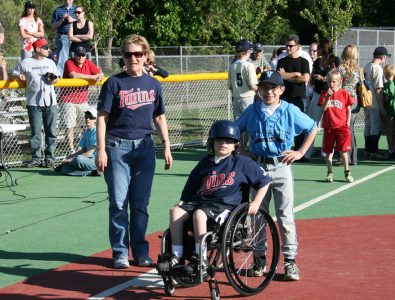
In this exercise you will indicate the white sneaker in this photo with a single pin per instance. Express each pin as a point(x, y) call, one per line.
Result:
point(121, 263)
point(291, 271)
point(329, 177)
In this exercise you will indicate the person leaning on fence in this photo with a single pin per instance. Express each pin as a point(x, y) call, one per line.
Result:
point(389, 104)
point(31, 27)
point(82, 162)
point(374, 75)
point(75, 100)
point(129, 103)
point(229, 172)
point(272, 125)
point(40, 74)
point(336, 106)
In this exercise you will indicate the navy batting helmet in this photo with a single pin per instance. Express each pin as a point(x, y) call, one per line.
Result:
point(224, 129)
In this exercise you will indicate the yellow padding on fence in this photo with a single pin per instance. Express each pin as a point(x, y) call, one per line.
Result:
point(16, 84)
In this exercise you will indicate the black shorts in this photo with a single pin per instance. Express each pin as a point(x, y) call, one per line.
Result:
point(218, 212)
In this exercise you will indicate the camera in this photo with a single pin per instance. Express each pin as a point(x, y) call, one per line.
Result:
point(50, 76)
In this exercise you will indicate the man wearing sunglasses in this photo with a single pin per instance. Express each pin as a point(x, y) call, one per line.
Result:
point(75, 100)
point(295, 72)
point(62, 18)
point(40, 74)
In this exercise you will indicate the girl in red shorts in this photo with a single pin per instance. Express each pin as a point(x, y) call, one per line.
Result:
point(336, 104)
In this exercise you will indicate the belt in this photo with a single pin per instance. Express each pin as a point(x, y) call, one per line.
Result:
point(271, 160)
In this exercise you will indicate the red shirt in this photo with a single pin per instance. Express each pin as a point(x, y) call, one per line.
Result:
point(77, 95)
point(335, 115)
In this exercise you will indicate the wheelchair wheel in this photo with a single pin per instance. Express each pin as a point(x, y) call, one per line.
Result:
point(250, 250)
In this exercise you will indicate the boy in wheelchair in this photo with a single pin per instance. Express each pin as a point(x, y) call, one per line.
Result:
point(213, 190)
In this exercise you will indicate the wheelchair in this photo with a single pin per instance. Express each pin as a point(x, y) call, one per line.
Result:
point(234, 248)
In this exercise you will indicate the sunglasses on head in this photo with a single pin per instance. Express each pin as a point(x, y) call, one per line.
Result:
point(136, 54)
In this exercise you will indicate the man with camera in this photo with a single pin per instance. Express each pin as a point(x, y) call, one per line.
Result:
point(40, 74)
point(74, 100)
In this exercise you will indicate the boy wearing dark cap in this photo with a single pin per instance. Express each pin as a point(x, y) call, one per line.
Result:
point(272, 124)
point(374, 74)
point(258, 59)
point(40, 74)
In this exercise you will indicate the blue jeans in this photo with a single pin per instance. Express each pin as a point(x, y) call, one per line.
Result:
point(129, 175)
point(79, 166)
point(62, 50)
point(39, 116)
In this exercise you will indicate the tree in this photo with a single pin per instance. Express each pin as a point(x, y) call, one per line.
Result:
point(332, 17)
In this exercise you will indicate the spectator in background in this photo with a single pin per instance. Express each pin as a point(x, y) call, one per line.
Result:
point(309, 87)
point(62, 17)
point(40, 74)
point(82, 162)
point(274, 59)
point(313, 51)
point(31, 27)
point(326, 62)
point(1, 34)
point(3, 67)
point(75, 99)
point(242, 81)
point(151, 68)
point(295, 71)
point(389, 105)
point(81, 32)
point(349, 71)
point(374, 74)
point(258, 59)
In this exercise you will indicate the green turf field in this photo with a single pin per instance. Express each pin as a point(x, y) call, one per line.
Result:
point(48, 220)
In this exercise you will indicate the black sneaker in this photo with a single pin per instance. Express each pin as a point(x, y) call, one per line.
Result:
point(32, 164)
point(96, 173)
point(193, 266)
point(259, 267)
point(48, 163)
point(57, 168)
point(168, 263)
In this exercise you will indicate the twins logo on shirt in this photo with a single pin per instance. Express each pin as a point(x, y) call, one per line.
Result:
point(134, 99)
point(215, 182)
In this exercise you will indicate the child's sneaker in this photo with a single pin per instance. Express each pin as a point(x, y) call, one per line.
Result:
point(121, 263)
point(168, 263)
point(347, 175)
point(291, 271)
point(329, 177)
point(259, 267)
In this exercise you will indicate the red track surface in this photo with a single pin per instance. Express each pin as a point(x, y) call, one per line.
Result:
point(339, 258)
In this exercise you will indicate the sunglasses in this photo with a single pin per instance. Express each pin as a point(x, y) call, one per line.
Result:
point(44, 47)
point(136, 54)
point(290, 46)
point(312, 50)
point(78, 12)
point(80, 55)
point(90, 117)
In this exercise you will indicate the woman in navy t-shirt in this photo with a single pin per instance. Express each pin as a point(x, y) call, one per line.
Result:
point(128, 104)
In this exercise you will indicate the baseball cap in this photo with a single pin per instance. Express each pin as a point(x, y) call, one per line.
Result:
point(91, 111)
point(30, 4)
point(258, 47)
point(244, 45)
point(272, 77)
point(381, 51)
point(80, 50)
point(39, 43)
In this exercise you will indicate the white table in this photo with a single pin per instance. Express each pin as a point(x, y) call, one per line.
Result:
point(7, 128)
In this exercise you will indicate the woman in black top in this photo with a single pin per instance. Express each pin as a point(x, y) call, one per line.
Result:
point(81, 32)
point(325, 62)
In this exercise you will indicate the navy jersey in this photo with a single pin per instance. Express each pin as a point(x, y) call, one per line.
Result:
point(131, 102)
point(224, 182)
